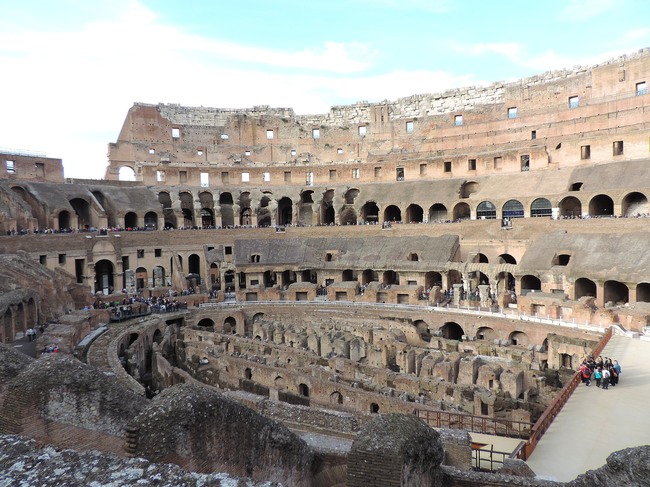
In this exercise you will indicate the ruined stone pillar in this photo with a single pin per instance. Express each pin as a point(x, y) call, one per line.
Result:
point(484, 293)
point(457, 292)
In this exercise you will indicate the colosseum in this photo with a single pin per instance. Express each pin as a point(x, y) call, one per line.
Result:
point(363, 297)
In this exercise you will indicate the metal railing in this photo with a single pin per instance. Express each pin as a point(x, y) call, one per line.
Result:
point(475, 424)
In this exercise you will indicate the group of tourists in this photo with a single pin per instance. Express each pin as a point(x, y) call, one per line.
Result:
point(605, 372)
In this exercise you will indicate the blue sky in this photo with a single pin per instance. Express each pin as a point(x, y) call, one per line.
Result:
point(71, 69)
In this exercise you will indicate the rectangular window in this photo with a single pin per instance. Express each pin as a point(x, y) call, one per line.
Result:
point(497, 162)
point(247, 153)
point(447, 166)
point(269, 134)
point(11, 167)
point(43, 259)
point(266, 177)
point(512, 112)
point(225, 177)
point(363, 130)
point(458, 120)
point(293, 152)
point(533, 134)
point(315, 133)
point(287, 176)
point(332, 174)
point(309, 178)
point(471, 164)
point(152, 151)
point(525, 162)
point(339, 150)
point(641, 88)
point(39, 167)
point(574, 102)
point(176, 133)
point(399, 174)
point(423, 169)
point(377, 172)
point(160, 176)
point(409, 127)
point(182, 176)
point(618, 148)
point(199, 152)
point(140, 253)
point(585, 152)
point(245, 177)
point(157, 252)
point(228, 250)
point(205, 180)
point(355, 173)
point(61, 259)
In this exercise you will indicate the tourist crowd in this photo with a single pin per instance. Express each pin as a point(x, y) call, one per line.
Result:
point(604, 372)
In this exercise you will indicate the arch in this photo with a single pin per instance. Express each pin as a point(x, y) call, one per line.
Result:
point(616, 292)
point(584, 287)
point(635, 204)
point(336, 398)
point(432, 278)
point(414, 214)
point(226, 205)
point(452, 331)
point(438, 212)
point(126, 173)
point(541, 207)
point(423, 330)
point(601, 205)
point(229, 281)
point(530, 283)
point(187, 208)
point(350, 196)
point(390, 277)
point(519, 338)
point(643, 292)
point(206, 323)
point(248, 373)
point(485, 333)
point(214, 276)
point(368, 276)
point(38, 211)
point(507, 259)
point(462, 212)
point(327, 213)
point(413, 257)
point(370, 212)
point(468, 188)
point(264, 216)
point(374, 408)
point(141, 278)
point(64, 220)
point(278, 382)
point(305, 208)
point(169, 217)
point(348, 275)
point(392, 213)
point(570, 207)
point(159, 276)
point(512, 209)
point(486, 210)
point(207, 218)
point(505, 282)
point(82, 208)
point(303, 389)
point(480, 258)
point(151, 220)
point(130, 220)
point(194, 264)
point(157, 337)
point(245, 212)
point(285, 211)
point(348, 216)
point(230, 325)
point(104, 276)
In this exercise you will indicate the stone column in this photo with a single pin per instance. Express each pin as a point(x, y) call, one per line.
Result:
point(484, 293)
point(457, 292)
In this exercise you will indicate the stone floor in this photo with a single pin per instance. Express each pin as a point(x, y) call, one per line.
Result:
point(596, 422)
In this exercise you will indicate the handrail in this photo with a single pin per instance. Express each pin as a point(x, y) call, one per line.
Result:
point(546, 419)
point(476, 424)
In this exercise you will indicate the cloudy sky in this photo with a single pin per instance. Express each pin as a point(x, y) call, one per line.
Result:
point(70, 70)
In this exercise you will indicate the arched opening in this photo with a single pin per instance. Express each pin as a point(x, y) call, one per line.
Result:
point(38, 211)
point(414, 214)
point(130, 220)
point(82, 209)
point(348, 215)
point(248, 373)
point(577, 186)
point(285, 210)
point(486, 333)
point(451, 331)
point(505, 283)
point(64, 220)
point(157, 337)
point(584, 287)
point(104, 277)
point(512, 209)
point(468, 188)
point(169, 217)
point(206, 323)
point(530, 283)
point(327, 213)
point(194, 264)
point(245, 212)
point(269, 279)
point(159, 276)
point(507, 259)
point(151, 220)
point(336, 398)
point(227, 210)
point(635, 204)
point(438, 213)
point(303, 389)
point(462, 212)
point(370, 212)
point(126, 173)
point(305, 208)
point(519, 338)
point(215, 281)
point(264, 217)
point(374, 408)
point(229, 278)
point(480, 258)
point(348, 275)
point(392, 213)
point(601, 205)
point(486, 210)
point(369, 276)
point(432, 279)
point(141, 278)
point(570, 207)
point(423, 330)
point(187, 208)
point(230, 325)
point(413, 257)
point(207, 218)
point(616, 293)
point(351, 195)
point(643, 292)
point(541, 207)
point(390, 277)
